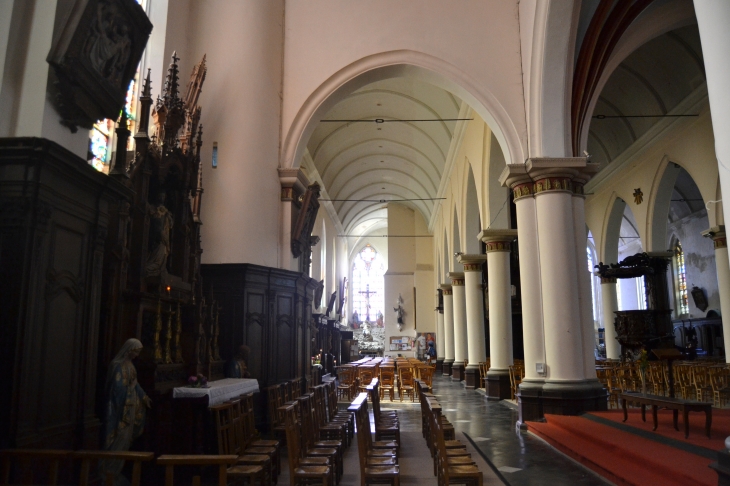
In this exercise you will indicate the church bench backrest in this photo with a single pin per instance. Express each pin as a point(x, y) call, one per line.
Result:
point(170, 461)
point(89, 458)
point(21, 464)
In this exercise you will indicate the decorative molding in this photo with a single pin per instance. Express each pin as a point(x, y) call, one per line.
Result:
point(493, 246)
point(472, 267)
point(447, 291)
point(553, 184)
point(287, 193)
point(523, 190)
point(718, 235)
point(457, 282)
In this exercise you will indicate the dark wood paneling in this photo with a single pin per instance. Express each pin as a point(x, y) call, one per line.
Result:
point(54, 212)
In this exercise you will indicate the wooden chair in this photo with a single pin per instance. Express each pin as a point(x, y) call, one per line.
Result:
point(387, 382)
point(516, 373)
point(170, 461)
point(345, 379)
point(250, 430)
point(405, 383)
point(301, 472)
point(372, 468)
point(365, 375)
point(427, 375)
point(274, 401)
point(311, 432)
point(453, 466)
point(719, 383)
point(229, 432)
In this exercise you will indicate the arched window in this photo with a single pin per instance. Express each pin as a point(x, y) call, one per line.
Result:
point(680, 281)
point(368, 269)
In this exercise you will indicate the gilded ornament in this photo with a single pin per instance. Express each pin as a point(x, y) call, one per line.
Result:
point(638, 196)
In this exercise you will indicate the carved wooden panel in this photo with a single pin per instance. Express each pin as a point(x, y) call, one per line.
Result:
point(53, 217)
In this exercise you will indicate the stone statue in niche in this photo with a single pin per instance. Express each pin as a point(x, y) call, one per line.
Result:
point(160, 227)
point(109, 46)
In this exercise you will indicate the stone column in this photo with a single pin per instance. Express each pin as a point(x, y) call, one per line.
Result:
point(719, 238)
point(584, 275)
point(474, 293)
point(609, 301)
point(533, 336)
point(569, 388)
point(461, 353)
point(713, 17)
point(499, 245)
point(448, 329)
point(440, 346)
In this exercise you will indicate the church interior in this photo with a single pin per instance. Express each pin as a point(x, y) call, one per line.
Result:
point(510, 208)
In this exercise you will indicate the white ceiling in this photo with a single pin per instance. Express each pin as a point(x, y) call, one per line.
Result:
point(384, 161)
point(653, 80)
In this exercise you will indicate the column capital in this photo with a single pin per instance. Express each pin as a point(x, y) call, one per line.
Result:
point(291, 180)
point(608, 280)
point(446, 288)
point(457, 279)
point(498, 239)
point(472, 262)
point(543, 174)
point(718, 235)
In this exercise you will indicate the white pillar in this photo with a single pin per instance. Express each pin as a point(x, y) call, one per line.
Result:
point(609, 301)
point(461, 352)
point(585, 295)
point(533, 336)
point(448, 328)
point(561, 307)
point(474, 295)
point(719, 239)
point(713, 17)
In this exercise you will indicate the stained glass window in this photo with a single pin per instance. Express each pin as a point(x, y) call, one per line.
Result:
point(101, 138)
point(368, 269)
point(680, 280)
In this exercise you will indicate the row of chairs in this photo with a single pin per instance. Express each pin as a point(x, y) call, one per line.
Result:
point(257, 460)
point(378, 459)
point(277, 396)
point(451, 462)
point(52, 467)
point(354, 380)
point(702, 381)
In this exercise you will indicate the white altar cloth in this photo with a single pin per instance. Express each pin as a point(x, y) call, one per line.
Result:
point(219, 391)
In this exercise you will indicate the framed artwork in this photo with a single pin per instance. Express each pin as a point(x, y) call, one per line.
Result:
point(94, 58)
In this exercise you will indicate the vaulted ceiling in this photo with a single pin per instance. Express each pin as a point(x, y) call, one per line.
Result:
point(365, 164)
point(654, 80)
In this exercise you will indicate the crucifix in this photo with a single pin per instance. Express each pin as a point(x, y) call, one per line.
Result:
point(367, 294)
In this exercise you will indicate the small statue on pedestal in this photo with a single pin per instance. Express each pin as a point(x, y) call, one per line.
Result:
point(159, 248)
point(237, 367)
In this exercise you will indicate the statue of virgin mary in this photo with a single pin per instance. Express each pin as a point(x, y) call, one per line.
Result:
point(125, 408)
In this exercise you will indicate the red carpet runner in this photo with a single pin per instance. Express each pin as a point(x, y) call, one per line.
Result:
point(623, 457)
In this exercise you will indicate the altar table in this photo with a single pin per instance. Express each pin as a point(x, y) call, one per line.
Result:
point(219, 391)
point(674, 404)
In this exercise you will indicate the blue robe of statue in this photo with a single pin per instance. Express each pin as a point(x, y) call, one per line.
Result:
point(125, 410)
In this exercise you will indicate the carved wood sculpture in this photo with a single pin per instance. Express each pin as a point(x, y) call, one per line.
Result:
point(95, 57)
point(650, 328)
point(302, 240)
point(157, 249)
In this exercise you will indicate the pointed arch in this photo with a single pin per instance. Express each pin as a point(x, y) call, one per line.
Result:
point(472, 221)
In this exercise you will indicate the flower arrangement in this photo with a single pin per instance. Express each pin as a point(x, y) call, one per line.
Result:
point(198, 381)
